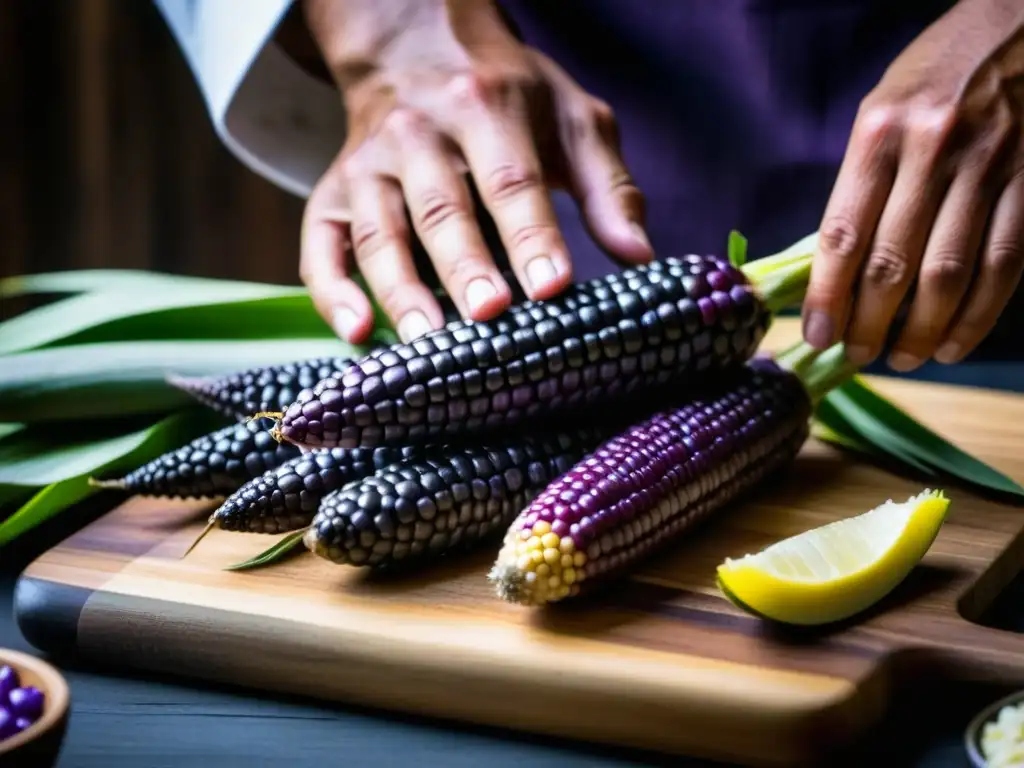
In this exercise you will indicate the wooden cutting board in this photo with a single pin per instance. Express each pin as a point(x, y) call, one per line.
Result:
point(661, 661)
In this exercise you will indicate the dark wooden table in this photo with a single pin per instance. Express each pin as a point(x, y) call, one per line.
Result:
point(123, 719)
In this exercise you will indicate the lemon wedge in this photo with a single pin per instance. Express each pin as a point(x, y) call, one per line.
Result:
point(833, 572)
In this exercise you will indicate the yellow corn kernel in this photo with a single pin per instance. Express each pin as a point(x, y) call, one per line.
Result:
point(567, 545)
point(566, 561)
point(552, 556)
point(525, 563)
point(550, 540)
point(541, 527)
point(534, 543)
point(537, 556)
point(543, 570)
point(579, 559)
point(554, 582)
point(569, 576)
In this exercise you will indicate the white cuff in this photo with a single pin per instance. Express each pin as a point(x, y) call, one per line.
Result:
point(279, 121)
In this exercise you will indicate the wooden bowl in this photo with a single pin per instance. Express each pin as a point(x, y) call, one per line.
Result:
point(972, 736)
point(39, 745)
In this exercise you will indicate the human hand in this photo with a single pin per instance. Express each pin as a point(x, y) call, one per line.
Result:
point(434, 89)
point(930, 192)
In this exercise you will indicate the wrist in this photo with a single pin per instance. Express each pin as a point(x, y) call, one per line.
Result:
point(358, 37)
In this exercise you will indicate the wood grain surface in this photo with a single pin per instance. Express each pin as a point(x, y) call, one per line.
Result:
point(661, 661)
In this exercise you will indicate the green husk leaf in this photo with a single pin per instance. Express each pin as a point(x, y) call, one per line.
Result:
point(737, 249)
point(6, 430)
point(85, 280)
point(833, 418)
point(149, 443)
point(46, 503)
point(281, 317)
point(281, 549)
point(34, 460)
point(889, 427)
point(120, 378)
point(64, 319)
point(828, 434)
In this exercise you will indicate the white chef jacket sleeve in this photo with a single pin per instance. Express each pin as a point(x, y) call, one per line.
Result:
point(278, 120)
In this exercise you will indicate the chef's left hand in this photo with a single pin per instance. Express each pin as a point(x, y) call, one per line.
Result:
point(930, 196)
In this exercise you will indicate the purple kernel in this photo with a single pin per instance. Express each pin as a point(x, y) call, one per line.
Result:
point(8, 681)
point(560, 528)
point(23, 724)
point(8, 725)
point(26, 702)
point(707, 310)
point(331, 400)
point(720, 281)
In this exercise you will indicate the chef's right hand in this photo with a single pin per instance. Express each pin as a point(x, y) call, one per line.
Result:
point(434, 89)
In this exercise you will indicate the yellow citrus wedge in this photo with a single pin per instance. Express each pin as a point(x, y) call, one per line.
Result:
point(838, 570)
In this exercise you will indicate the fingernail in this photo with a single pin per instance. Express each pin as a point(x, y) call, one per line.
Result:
point(904, 361)
point(818, 329)
point(859, 355)
point(541, 271)
point(948, 353)
point(479, 292)
point(413, 325)
point(640, 235)
point(344, 321)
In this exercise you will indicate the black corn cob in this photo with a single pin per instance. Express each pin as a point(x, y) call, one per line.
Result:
point(652, 482)
point(211, 466)
point(440, 500)
point(595, 343)
point(255, 390)
point(286, 498)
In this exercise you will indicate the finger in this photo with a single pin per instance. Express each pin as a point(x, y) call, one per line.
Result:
point(946, 270)
point(324, 259)
point(898, 245)
point(380, 239)
point(862, 186)
point(442, 214)
point(611, 203)
point(498, 145)
point(999, 273)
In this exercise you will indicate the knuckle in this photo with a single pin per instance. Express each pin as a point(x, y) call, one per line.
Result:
point(472, 89)
point(510, 180)
point(1005, 256)
point(947, 270)
point(436, 208)
point(888, 266)
point(839, 238)
point(877, 124)
point(602, 115)
point(531, 234)
point(932, 126)
point(369, 238)
point(405, 122)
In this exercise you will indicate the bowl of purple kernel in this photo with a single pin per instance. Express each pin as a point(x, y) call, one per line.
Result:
point(34, 701)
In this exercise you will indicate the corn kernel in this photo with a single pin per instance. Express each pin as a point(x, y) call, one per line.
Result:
point(567, 545)
point(543, 570)
point(579, 559)
point(554, 583)
point(537, 556)
point(552, 556)
point(541, 527)
point(566, 561)
point(550, 540)
point(569, 576)
point(534, 543)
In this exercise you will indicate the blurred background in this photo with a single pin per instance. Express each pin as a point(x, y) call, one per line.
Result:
point(108, 158)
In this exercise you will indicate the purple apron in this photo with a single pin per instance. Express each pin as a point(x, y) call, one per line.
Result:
point(733, 113)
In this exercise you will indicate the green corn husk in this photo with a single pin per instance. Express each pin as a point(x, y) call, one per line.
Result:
point(84, 391)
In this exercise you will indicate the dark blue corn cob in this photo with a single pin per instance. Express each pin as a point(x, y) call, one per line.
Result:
point(597, 342)
point(211, 466)
point(273, 388)
point(286, 498)
point(440, 499)
point(652, 482)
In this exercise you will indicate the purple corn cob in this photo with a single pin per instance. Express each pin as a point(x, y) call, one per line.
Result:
point(594, 344)
point(286, 498)
point(211, 466)
point(647, 485)
point(256, 390)
point(441, 499)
